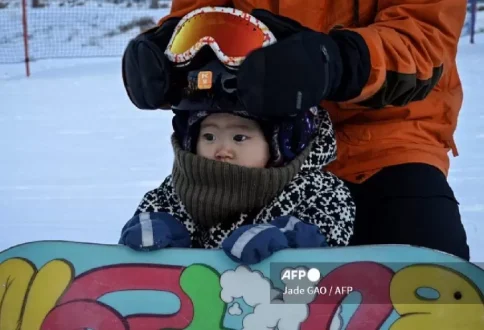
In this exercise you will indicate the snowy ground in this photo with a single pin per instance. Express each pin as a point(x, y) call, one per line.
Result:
point(77, 157)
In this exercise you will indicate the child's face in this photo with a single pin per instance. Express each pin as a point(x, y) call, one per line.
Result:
point(233, 139)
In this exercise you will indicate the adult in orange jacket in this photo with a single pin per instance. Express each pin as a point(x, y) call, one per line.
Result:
point(386, 72)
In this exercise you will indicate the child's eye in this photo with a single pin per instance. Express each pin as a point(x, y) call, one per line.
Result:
point(209, 136)
point(240, 137)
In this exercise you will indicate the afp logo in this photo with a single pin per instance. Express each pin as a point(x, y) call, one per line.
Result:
point(313, 274)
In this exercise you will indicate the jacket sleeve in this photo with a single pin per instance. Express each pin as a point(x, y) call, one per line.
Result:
point(330, 207)
point(180, 8)
point(158, 200)
point(401, 57)
point(151, 202)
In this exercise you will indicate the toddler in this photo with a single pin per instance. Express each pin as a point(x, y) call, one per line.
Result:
point(251, 186)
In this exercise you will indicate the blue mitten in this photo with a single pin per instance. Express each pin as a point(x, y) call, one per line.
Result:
point(300, 234)
point(153, 231)
point(251, 244)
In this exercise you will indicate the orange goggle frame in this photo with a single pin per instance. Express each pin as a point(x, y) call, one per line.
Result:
point(229, 32)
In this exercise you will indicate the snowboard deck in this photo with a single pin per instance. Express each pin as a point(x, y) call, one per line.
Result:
point(60, 285)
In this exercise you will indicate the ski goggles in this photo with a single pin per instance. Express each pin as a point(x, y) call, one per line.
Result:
point(229, 32)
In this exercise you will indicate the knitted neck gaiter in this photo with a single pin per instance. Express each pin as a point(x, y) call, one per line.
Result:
point(214, 192)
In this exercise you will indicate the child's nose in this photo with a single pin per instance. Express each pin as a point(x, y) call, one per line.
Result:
point(224, 152)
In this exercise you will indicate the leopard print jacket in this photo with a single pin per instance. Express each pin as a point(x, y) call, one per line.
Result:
point(313, 196)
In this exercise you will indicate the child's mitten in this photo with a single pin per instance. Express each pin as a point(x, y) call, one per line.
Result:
point(300, 234)
point(251, 244)
point(153, 231)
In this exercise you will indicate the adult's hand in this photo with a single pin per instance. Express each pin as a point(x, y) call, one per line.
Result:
point(147, 73)
point(296, 73)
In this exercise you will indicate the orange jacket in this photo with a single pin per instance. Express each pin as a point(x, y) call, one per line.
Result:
point(397, 118)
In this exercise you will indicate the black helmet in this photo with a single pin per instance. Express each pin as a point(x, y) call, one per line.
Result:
point(209, 85)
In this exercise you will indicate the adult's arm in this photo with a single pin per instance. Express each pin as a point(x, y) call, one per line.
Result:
point(402, 56)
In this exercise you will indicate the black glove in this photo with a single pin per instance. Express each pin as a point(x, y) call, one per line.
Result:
point(147, 73)
point(300, 70)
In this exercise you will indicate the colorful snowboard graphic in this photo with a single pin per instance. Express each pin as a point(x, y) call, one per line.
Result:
point(70, 286)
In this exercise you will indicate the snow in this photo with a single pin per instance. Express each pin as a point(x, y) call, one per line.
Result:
point(77, 156)
point(83, 28)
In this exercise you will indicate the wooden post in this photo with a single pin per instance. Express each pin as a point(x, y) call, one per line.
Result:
point(473, 19)
point(26, 37)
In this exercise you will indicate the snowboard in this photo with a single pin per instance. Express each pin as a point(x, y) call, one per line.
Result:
point(60, 285)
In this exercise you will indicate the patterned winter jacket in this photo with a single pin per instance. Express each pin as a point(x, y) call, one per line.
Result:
point(313, 195)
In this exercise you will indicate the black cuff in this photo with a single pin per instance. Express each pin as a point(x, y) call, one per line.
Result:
point(355, 57)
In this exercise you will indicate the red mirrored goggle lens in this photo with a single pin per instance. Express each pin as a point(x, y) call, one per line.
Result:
point(235, 36)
